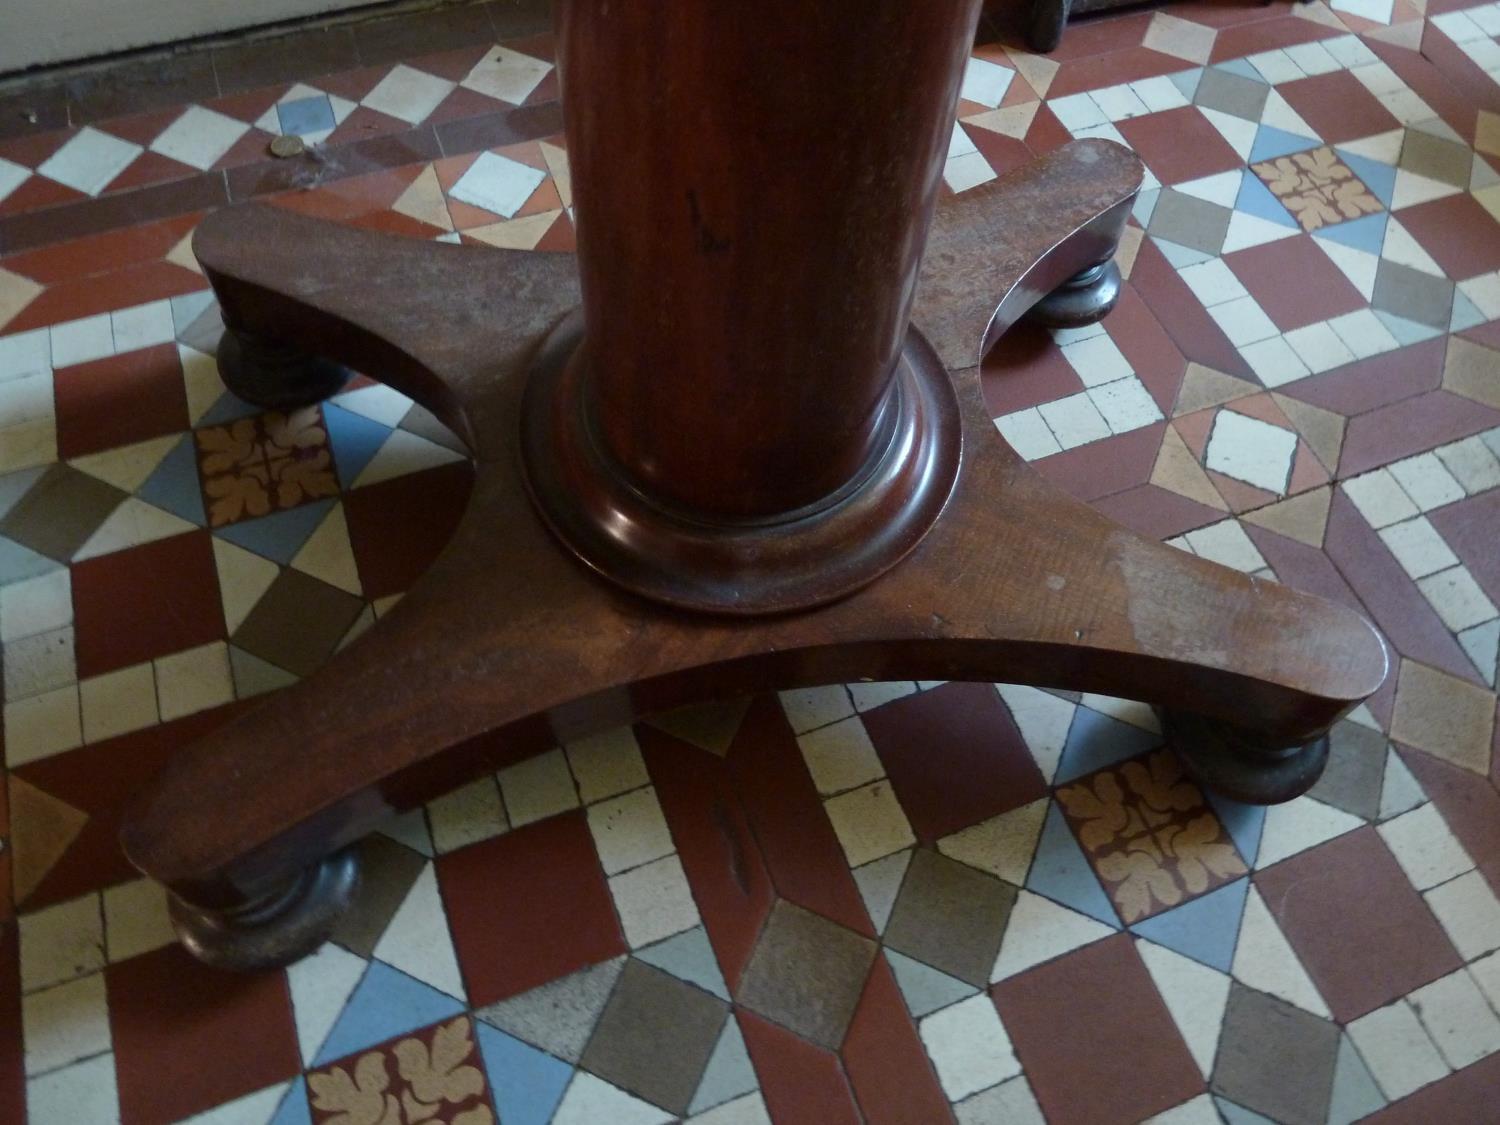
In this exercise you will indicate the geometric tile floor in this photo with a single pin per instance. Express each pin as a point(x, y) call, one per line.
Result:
point(869, 902)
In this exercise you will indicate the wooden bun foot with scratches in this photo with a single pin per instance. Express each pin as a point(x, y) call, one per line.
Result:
point(269, 373)
point(680, 496)
point(1083, 299)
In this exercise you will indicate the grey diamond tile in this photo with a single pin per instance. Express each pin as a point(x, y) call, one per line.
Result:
point(1231, 93)
point(807, 974)
point(1190, 221)
point(60, 512)
point(1356, 768)
point(655, 1036)
point(560, 1015)
point(1436, 158)
point(1414, 295)
point(387, 871)
point(950, 916)
point(1276, 1059)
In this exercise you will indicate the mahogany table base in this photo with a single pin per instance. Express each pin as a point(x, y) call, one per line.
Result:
point(510, 644)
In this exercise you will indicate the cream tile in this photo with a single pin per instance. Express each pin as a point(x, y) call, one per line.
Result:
point(607, 764)
point(142, 326)
point(65, 1023)
point(1197, 1111)
point(79, 341)
point(497, 184)
point(870, 694)
point(1274, 362)
point(1074, 420)
point(1472, 464)
point(840, 756)
point(37, 605)
point(508, 75)
point(1010, 1103)
point(1458, 598)
point(1097, 360)
point(25, 353)
point(320, 985)
point(89, 161)
point(1002, 845)
point(408, 94)
point(1264, 960)
point(1425, 848)
point(1418, 547)
point(967, 170)
point(968, 1047)
point(1195, 995)
point(1319, 347)
point(1039, 930)
point(1225, 542)
point(1470, 914)
point(1044, 720)
point(1243, 321)
point(748, 1110)
point(41, 726)
point(81, 1094)
point(1028, 434)
point(1458, 1019)
point(1401, 1057)
point(194, 680)
point(467, 816)
point(1213, 283)
point(629, 830)
point(1444, 715)
point(538, 788)
point(1379, 498)
point(809, 708)
point(1125, 404)
point(61, 942)
point(39, 663)
point(1486, 973)
point(136, 919)
point(1363, 333)
point(869, 823)
point(591, 1101)
point(654, 901)
point(1427, 481)
point(118, 702)
point(1252, 451)
point(985, 82)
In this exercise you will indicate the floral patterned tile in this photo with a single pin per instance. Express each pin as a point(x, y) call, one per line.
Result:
point(269, 463)
point(1318, 188)
point(431, 1077)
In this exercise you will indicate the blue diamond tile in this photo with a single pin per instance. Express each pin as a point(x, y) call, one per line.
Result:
point(1367, 233)
point(1256, 199)
point(293, 1109)
point(1406, 331)
point(729, 1073)
point(924, 988)
point(1206, 929)
point(280, 535)
point(525, 1083)
point(18, 562)
point(173, 485)
point(386, 1003)
point(1060, 871)
point(1271, 142)
point(355, 440)
point(1465, 315)
point(1379, 178)
point(1243, 822)
point(1187, 81)
point(1096, 741)
point(1179, 256)
point(306, 115)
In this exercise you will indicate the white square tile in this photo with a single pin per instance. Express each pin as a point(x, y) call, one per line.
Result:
point(1251, 450)
point(1425, 848)
point(1226, 543)
point(869, 823)
point(408, 94)
point(607, 764)
point(1427, 481)
point(1077, 111)
point(1028, 434)
point(41, 726)
point(870, 694)
point(1074, 420)
point(507, 75)
point(1274, 362)
point(89, 161)
point(1486, 17)
point(1458, 27)
point(538, 788)
point(1458, 1019)
point(467, 816)
point(78, 341)
point(1097, 360)
point(1472, 464)
point(985, 82)
point(39, 663)
point(194, 680)
point(959, 142)
point(61, 942)
point(1418, 547)
point(1350, 51)
point(1458, 599)
point(1159, 94)
point(29, 443)
point(142, 326)
point(36, 605)
point(1125, 404)
point(968, 1046)
point(136, 919)
point(497, 183)
point(1243, 321)
point(629, 830)
point(1010, 1103)
point(1364, 334)
point(118, 702)
point(809, 708)
point(27, 399)
point(967, 170)
point(1276, 67)
point(1397, 1050)
point(1484, 291)
point(1319, 347)
point(1379, 498)
point(1486, 972)
point(1470, 914)
point(1378, 78)
point(840, 756)
point(65, 1023)
point(84, 1093)
point(199, 138)
point(654, 901)
point(1313, 59)
point(1213, 283)
point(25, 353)
point(1118, 103)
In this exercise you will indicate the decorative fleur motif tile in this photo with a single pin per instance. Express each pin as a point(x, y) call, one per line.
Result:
point(1150, 834)
point(434, 1075)
point(1318, 188)
point(269, 463)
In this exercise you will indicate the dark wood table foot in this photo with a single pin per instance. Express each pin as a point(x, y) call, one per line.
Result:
point(275, 374)
point(1083, 299)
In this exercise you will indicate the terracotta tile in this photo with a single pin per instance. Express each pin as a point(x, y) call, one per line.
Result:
point(1302, 567)
point(1105, 467)
point(569, 921)
point(299, 56)
point(31, 149)
point(1353, 885)
point(174, 1021)
point(397, 527)
point(102, 253)
point(1028, 371)
point(1156, 512)
point(1462, 237)
point(436, 1073)
point(1410, 427)
point(37, 194)
point(1470, 805)
point(1130, 64)
point(1380, 380)
point(463, 103)
point(1391, 598)
point(1174, 305)
point(954, 757)
point(886, 1064)
point(1104, 34)
point(1179, 145)
point(1148, 347)
point(1294, 282)
point(119, 400)
point(530, 122)
point(88, 296)
point(364, 124)
point(1465, 1096)
point(799, 1082)
point(801, 852)
point(1004, 154)
point(1468, 527)
point(1046, 133)
point(145, 602)
point(1431, 84)
point(1085, 1069)
point(1266, 35)
point(1338, 107)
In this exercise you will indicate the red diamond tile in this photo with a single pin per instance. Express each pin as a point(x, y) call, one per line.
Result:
point(1338, 107)
point(1369, 384)
point(1354, 885)
point(567, 922)
point(1294, 282)
point(1462, 237)
point(1046, 133)
point(1468, 1095)
point(398, 527)
point(1183, 316)
point(1005, 154)
point(885, 1061)
point(800, 1082)
point(954, 757)
point(1469, 805)
point(1179, 145)
point(1156, 512)
point(146, 602)
point(119, 400)
point(36, 193)
point(1410, 427)
point(1028, 371)
point(105, 292)
point(101, 253)
point(1131, 64)
point(1105, 467)
point(1267, 35)
point(1157, 361)
point(176, 1022)
point(1095, 1037)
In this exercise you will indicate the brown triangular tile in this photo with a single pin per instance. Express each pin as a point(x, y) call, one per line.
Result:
point(1472, 370)
point(1307, 471)
point(1009, 120)
point(1447, 717)
point(1240, 497)
point(1177, 470)
point(1407, 34)
point(709, 726)
point(1323, 430)
point(1203, 387)
point(1303, 518)
point(42, 830)
point(1037, 71)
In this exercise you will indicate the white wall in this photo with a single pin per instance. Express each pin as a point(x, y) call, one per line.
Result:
point(48, 31)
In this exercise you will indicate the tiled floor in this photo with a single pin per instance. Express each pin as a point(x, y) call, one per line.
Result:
point(880, 902)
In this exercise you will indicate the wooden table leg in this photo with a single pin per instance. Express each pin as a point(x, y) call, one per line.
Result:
point(758, 458)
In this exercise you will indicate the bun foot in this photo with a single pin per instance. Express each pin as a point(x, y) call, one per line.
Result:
point(274, 375)
point(1083, 299)
point(1236, 763)
point(275, 930)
